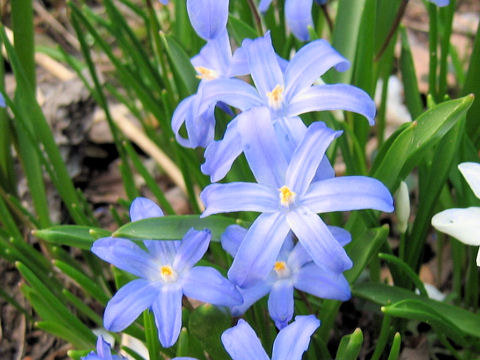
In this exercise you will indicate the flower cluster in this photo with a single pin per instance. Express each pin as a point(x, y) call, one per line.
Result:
point(288, 246)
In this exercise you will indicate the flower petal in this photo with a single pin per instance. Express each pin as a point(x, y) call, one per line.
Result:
point(292, 341)
point(299, 17)
point(263, 64)
point(308, 156)
point(261, 147)
point(340, 234)
point(163, 251)
point(200, 125)
point(167, 310)
point(333, 97)
point(232, 238)
point(320, 282)
point(298, 257)
point(103, 349)
point(215, 55)
point(128, 303)
point(208, 285)
point(194, 245)
point(220, 155)
point(440, 2)
point(259, 249)
point(242, 343)
point(462, 224)
point(264, 4)
point(290, 132)
point(280, 303)
point(250, 296)
point(143, 208)
point(471, 173)
point(234, 92)
point(125, 255)
point(238, 196)
point(309, 63)
point(317, 240)
point(239, 64)
point(178, 119)
point(208, 17)
point(348, 193)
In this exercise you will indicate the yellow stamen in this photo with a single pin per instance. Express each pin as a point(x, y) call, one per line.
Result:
point(287, 196)
point(281, 268)
point(167, 273)
point(275, 97)
point(206, 74)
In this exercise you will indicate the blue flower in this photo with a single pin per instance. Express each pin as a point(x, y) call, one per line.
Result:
point(289, 199)
point(2, 101)
point(242, 343)
point(440, 2)
point(215, 61)
point(208, 17)
point(298, 14)
point(103, 352)
point(293, 269)
point(165, 274)
point(286, 94)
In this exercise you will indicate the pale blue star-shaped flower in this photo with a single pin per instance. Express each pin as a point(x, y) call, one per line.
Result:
point(288, 196)
point(215, 61)
point(166, 272)
point(293, 269)
point(242, 343)
point(103, 352)
point(287, 93)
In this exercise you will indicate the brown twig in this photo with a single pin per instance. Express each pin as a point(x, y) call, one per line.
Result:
point(393, 29)
point(327, 16)
point(256, 16)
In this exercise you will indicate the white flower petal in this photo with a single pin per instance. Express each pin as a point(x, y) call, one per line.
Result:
point(462, 224)
point(471, 173)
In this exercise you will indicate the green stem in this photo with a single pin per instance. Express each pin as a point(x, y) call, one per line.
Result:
point(445, 46)
point(433, 41)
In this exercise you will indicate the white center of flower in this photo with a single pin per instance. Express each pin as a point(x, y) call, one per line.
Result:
point(168, 274)
point(275, 97)
point(205, 73)
point(281, 269)
point(287, 196)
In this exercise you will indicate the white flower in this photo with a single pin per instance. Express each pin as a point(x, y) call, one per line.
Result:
point(463, 224)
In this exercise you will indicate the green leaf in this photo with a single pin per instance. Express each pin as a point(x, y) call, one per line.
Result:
point(240, 30)
point(207, 323)
point(472, 81)
point(151, 335)
point(414, 309)
point(347, 23)
point(71, 235)
point(88, 285)
point(180, 63)
point(350, 346)
point(409, 77)
point(395, 349)
point(409, 146)
point(362, 249)
point(173, 227)
point(466, 322)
